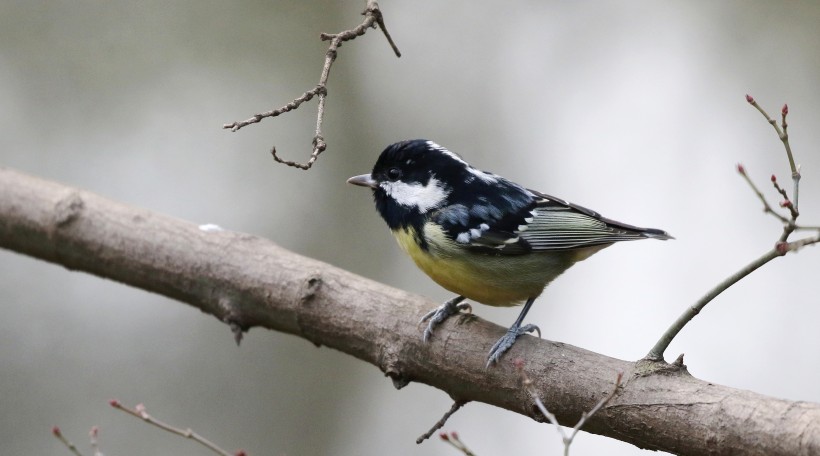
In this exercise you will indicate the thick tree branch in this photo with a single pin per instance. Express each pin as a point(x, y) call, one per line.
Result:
point(248, 281)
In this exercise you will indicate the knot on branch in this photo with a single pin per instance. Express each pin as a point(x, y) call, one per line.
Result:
point(309, 288)
point(68, 209)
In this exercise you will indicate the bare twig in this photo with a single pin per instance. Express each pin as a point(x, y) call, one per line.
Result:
point(767, 208)
point(56, 432)
point(566, 439)
point(787, 203)
point(373, 17)
point(140, 412)
point(92, 435)
point(782, 133)
point(453, 440)
point(440, 423)
point(782, 246)
point(656, 353)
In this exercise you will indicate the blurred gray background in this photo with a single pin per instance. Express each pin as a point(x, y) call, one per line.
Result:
point(635, 109)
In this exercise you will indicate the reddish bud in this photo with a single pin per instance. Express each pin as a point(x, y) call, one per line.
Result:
point(785, 109)
point(444, 436)
point(94, 432)
point(115, 403)
point(240, 453)
point(774, 178)
point(749, 98)
point(786, 203)
point(56, 431)
point(454, 435)
point(782, 247)
point(741, 169)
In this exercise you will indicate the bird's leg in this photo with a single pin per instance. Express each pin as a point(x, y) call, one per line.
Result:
point(442, 313)
point(515, 330)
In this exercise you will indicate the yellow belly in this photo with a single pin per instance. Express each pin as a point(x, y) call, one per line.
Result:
point(494, 280)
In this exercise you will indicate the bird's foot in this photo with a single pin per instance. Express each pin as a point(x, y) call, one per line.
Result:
point(508, 340)
point(443, 312)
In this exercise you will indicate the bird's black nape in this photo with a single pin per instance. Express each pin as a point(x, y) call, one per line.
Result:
point(415, 159)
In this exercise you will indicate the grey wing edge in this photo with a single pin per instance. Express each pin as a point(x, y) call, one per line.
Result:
point(652, 233)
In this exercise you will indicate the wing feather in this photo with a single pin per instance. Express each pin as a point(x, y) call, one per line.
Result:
point(541, 223)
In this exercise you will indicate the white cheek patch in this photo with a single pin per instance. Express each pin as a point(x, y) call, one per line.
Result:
point(423, 197)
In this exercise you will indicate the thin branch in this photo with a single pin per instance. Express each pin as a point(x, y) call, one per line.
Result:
point(657, 351)
point(566, 439)
point(782, 246)
point(767, 208)
point(793, 246)
point(56, 432)
point(373, 17)
point(140, 412)
point(782, 133)
point(456, 442)
point(440, 423)
point(787, 203)
point(92, 436)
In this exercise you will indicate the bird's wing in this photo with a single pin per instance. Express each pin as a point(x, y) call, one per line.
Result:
point(546, 223)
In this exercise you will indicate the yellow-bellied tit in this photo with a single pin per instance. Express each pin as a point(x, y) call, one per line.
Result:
point(480, 235)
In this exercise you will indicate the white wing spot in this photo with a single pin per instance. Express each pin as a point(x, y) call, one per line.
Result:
point(463, 238)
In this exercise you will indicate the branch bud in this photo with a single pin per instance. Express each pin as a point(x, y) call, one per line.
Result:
point(240, 453)
point(774, 178)
point(56, 431)
point(749, 98)
point(786, 203)
point(444, 436)
point(782, 248)
point(741, 169)
point(115, 403)
point(785, 110)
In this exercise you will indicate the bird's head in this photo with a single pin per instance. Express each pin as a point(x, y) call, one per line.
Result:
point(413, 178)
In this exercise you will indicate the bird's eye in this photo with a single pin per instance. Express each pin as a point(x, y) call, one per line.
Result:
point(393, 174)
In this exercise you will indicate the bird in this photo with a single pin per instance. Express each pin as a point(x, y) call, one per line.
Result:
point(481, 236)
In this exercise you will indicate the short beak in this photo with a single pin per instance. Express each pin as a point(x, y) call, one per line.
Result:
point(365, 180)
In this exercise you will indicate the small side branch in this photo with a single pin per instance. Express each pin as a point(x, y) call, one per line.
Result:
point(56, 432)
point(782, 133)
point(767, 208)
point(373, 17)
point(140, 412)
point(657, 351)
point(585, 416)
point(782, 246)
point(440, 423)
point(456, 443)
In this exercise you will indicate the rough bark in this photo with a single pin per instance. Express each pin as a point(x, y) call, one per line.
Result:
point(248, 281)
